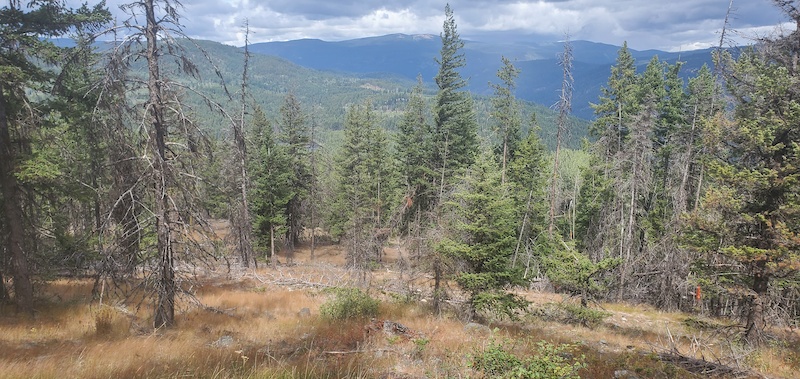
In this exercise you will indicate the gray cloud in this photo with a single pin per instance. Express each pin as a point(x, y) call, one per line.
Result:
point(660, 24)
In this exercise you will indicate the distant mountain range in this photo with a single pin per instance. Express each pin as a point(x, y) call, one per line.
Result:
point(407, 56)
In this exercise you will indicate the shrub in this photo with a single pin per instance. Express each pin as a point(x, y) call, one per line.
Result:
point(349, 303)
point(549, 362)
point(588, 317)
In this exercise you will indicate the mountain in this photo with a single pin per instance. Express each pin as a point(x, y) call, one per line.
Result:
point(407, 56)
point(324, 95)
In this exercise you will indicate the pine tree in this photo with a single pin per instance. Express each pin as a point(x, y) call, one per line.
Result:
point(617, 104)
point(413, 152)
point(527, 176)
point(455, 141)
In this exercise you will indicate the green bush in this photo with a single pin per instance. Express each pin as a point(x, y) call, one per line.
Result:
point(349, 303)
point(549, 362)
point(588, 317)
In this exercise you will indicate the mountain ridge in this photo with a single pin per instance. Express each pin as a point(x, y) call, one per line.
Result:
point(409, 55)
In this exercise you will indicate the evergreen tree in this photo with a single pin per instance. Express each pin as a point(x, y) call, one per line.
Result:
point(485, 225)
point(271, 175)
point(617, 104)
point(527, 175)
point(363, 189)
point(455, 141)
point(24, 71)
point(413, 151)
point(505, 113)
point(294, 134)
point(748, 220)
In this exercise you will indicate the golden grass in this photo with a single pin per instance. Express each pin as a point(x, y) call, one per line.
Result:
point(250, 327)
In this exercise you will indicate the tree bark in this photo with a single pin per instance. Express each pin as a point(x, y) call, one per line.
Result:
point(754, 330)
point(14, 220)
point(165, 305)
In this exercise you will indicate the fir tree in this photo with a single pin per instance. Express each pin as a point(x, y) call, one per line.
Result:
point(748, 219)
point(24, 57)
point(484, 219)
point(294, 134)
point(363, 188)
point(455, 141)
point(271, 176)
point(505, 113)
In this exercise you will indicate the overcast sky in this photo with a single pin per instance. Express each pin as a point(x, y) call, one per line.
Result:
point(646, 24)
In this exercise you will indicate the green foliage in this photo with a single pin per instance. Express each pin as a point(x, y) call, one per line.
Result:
point(548, 362)
point(505, 113)
point(365, 186)
point(749, 217)
point(582, 315)
point(413, 151)
point(349, 303)
point(572, 271)
point(484, 238)
point(271, 177)
point(295, 138)
point(455, 141)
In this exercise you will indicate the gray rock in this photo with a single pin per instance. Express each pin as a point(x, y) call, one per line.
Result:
point(224, 341)
point(624, 374)
point(474, 327)
point(305, 312)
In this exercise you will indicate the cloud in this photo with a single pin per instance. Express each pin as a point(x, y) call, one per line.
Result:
point(644, 24)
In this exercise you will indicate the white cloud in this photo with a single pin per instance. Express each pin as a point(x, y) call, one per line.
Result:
point(663, 24)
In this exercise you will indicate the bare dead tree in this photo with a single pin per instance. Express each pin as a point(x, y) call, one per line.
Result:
point(243, 221)
point(564, 109)
point(163, 158)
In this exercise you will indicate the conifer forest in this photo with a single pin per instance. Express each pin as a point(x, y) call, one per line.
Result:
point(147, 167)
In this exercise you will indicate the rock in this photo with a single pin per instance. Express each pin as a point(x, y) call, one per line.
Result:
point(624, 374)
point(305, 312)
point(224, 341)
point(474, 327)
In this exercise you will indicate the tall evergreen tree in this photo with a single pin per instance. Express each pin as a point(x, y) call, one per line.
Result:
point(455, 140)
point(24, 57)
point(363, 188)
point(748, 218)
point(527, 175)
point(294, 134)
point(271, 173)
point(505, 113)
point(413, 149)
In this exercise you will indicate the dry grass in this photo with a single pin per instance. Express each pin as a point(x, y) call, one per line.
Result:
point(265, 323)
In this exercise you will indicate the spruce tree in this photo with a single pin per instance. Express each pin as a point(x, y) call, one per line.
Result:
point(505, 113)
point(748, 219)
point(455, 140)
point(271, 176)
point(483, 239)
point(363, 187)
point(294, 134)
point(413, 145)
point(24, 59)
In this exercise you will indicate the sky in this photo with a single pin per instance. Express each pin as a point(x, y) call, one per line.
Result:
point(671, 25)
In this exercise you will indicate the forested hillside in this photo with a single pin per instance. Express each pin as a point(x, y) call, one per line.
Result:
point(155, 160)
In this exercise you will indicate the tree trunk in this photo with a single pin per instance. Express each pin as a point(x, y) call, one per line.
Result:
point(754, 330)
point(14, 220)
point(273, 259)
point(165, 305)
